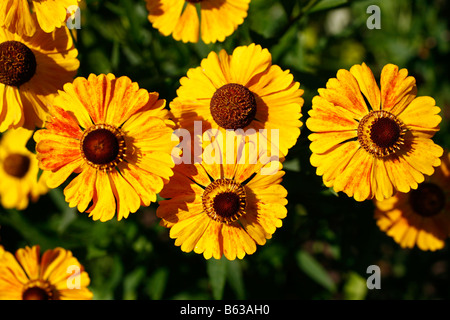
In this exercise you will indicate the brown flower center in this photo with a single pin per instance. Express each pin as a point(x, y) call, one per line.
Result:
point(381, 133)
point(233, 106)
point(35, 293)
point(427, 200)
point(16, 165)
point(227, 204)
point(224, 200)
point(39, 290)
point(103, 146)
point(17, 63)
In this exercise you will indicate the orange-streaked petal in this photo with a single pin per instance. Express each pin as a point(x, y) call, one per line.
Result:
point(397, 89)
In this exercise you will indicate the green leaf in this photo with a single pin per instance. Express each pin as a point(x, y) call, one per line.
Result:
point(328, 4)
point(355, 287)
point(235, 280)
point(216, 270)
point(309, 265)
point(157, 283)
point(131, 282)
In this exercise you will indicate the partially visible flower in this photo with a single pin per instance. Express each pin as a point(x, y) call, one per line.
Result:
point(32, 70)
point(370, 143)
point(56, 275)
point(19, 171)
point(225, 206)
point(116, 138)
point(243, 90)
point(218, 18)
point(420, 217)
point(26, 17)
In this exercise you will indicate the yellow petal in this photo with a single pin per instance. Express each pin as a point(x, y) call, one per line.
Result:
point(146, 184)
point(80, 190)
point(187, 28)
point(344, 91)
point(332, 163)
point(236, 242)
point(422, 115)
point(381, 184)
point(255, 59)
point(210, 243)
point(29, 260)
point(164, 14)
point(127, 199)
point(355, 179)
point(402, 175)
point(60, 175)
point(12, 115)
point(220, 18)
point(423, 155)
point(104, 204)
point(367, 84)
point(325, 117)
point(50, 14)
point(187, 232)
point(323, 141)
point(397, 89)
point(126, 101)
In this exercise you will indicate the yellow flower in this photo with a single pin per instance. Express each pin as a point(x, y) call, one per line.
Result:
point(225, 205)
point(420, 217)
point(369, 142)
point(241, 91)
point(19, 171)
point(32, 70)
point(115, 137)
point(57, 275)
point(218, 18)
point(26, 17)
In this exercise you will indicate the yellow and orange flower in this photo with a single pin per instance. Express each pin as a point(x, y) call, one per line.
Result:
point(19, 171)
point(241, 91)
point(218, 18)
point(420, 217)
point(369, 142)
point(57, 275)
point(118, 140)
point(226, 205)
point(26, 17)
point(32, 70)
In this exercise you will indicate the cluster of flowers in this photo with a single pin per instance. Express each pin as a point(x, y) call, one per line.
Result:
point(115, 143)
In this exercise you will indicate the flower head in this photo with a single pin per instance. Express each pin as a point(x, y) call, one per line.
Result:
point(56, 275)
point(118, 140)
point(226, 205)
point(32, 70)
point(218, 18)
point(26, 17)
point(370, 142)
point(241, 91)
point(19, 171)
point(420, 217)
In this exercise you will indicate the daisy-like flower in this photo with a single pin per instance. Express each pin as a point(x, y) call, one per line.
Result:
point(56, 275)
point(19, 171)
point(32, 70)
point(226, 205)
point(241, 91)
point(420, 217)
point(118, 140)
point(26, 17)
point(370, 142)
point(218, 18)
